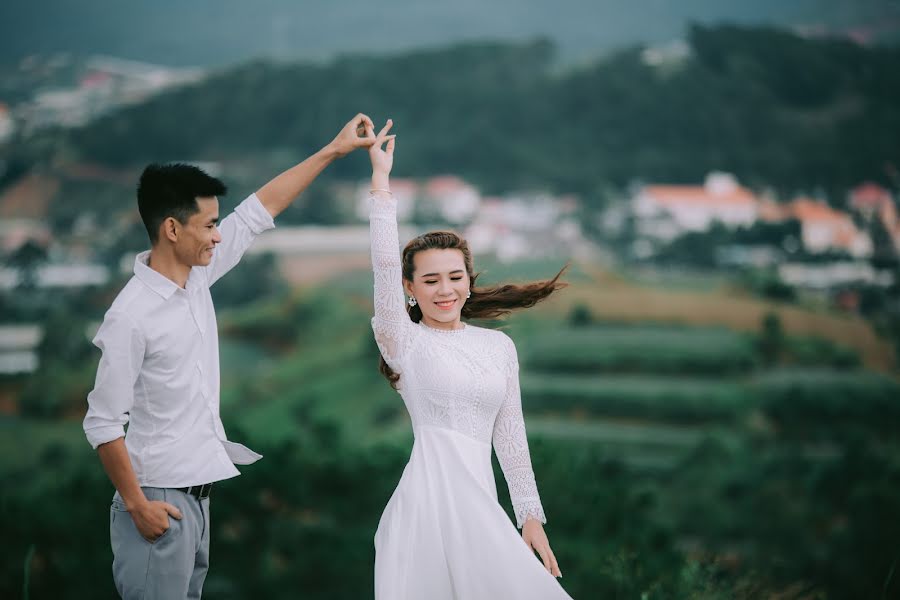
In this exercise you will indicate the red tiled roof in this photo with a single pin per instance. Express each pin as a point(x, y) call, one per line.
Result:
point(698, 194)
point(772, 211)
point(404, 186)
point(444, 184)
point(807, 210)
point(869, 195)
point(95, 78)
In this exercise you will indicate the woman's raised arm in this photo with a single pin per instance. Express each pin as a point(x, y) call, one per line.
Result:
point(391, 323)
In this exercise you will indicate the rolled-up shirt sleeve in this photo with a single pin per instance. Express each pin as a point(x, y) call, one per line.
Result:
point(109, 403)
point(238, 231)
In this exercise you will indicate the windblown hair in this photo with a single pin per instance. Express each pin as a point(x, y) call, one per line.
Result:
point(171, 190)
point(487, 302)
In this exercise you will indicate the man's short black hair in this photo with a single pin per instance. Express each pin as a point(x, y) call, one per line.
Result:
point(171, 190)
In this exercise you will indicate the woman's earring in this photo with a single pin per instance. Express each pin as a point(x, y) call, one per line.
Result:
point(412, 301)
point(469, 294)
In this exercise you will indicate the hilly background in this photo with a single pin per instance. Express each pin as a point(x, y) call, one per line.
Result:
point(216, 33)
point(777, 110)
point(699, 431)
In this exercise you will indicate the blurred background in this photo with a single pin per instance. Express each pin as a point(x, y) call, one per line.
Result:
point(713, 404)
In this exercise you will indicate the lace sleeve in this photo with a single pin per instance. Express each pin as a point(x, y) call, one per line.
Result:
point(511, 447)
point(391, 323)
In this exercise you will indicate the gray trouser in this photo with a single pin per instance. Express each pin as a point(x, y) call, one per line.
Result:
point(172, 567)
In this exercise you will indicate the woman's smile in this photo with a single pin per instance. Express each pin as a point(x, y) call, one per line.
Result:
point(446, 304)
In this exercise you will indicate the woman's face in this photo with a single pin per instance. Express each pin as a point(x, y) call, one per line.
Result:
point(440, 285)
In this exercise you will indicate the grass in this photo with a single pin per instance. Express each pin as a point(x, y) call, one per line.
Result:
point(611, 297)
point(616, 432)
point(812, 401)
point(334, 380)
point(641, 446)
point(649, 348)
point(682, 400)
point(690, 300)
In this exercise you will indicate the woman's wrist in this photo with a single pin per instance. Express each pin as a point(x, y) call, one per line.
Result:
point(381, 181)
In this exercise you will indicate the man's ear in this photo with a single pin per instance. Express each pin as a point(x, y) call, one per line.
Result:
point(170, 229)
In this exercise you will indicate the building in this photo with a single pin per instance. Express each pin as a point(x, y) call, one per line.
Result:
point(871, 201)
point(108, 83)
point(18, 348)
point(405, 192)
point(665, 212)
point(452, 198)
point(57, 275)
point(524, 226)
point(826, 229)
point(833, 274)
point(446, 198)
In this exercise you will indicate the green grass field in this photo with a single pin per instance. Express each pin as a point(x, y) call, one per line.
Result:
point(642, 348)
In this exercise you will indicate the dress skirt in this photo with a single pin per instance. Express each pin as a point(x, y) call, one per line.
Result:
point(444, 536)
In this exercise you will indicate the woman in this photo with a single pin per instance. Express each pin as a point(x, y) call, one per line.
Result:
point(443, 535)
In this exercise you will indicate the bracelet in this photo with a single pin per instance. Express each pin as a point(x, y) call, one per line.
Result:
point(372, 191)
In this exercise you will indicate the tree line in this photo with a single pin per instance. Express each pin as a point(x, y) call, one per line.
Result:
point(775, 109)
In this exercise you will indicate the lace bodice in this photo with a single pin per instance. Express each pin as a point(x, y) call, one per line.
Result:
point(466, 380)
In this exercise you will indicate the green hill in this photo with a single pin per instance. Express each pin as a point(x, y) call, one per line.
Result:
point(773, 108)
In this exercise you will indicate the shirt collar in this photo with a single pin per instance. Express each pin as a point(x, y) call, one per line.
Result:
point(157, 282)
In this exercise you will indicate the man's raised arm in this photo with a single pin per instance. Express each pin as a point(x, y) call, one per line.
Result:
point(278, 194)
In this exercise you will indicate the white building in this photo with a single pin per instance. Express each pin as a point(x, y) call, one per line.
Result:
point(445, 197)
point(18, 348)
point(827, 276)
point(109, 83)
point(452, 198)
point(522, 226)
point(664, 212)
point(405, 191)
point(824, 228)
point(58, 276)
point(875, 202)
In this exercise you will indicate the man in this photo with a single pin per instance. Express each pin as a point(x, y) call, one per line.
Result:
point(159, 371)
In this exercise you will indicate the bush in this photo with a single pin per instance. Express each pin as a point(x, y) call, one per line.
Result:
point(826, 403)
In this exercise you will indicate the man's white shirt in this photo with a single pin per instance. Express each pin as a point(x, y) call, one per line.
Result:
point(159, 369)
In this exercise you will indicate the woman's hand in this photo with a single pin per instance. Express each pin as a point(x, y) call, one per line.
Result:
point(382, 158)
point(535, 538)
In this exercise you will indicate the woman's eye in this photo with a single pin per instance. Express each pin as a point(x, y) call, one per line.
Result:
point(431, 282)
point(455, 278)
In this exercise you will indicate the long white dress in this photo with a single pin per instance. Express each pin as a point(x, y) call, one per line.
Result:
point(443, 534)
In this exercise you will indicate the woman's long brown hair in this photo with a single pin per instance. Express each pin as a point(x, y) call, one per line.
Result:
point(485, 302)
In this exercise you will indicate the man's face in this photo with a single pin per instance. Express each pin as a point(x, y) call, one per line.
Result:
point(198, 237)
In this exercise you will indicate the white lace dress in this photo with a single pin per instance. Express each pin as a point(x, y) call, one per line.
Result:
point(443, 534)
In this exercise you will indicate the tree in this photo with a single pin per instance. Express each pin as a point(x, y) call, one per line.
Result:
point(28, 258)
point(771, 338)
